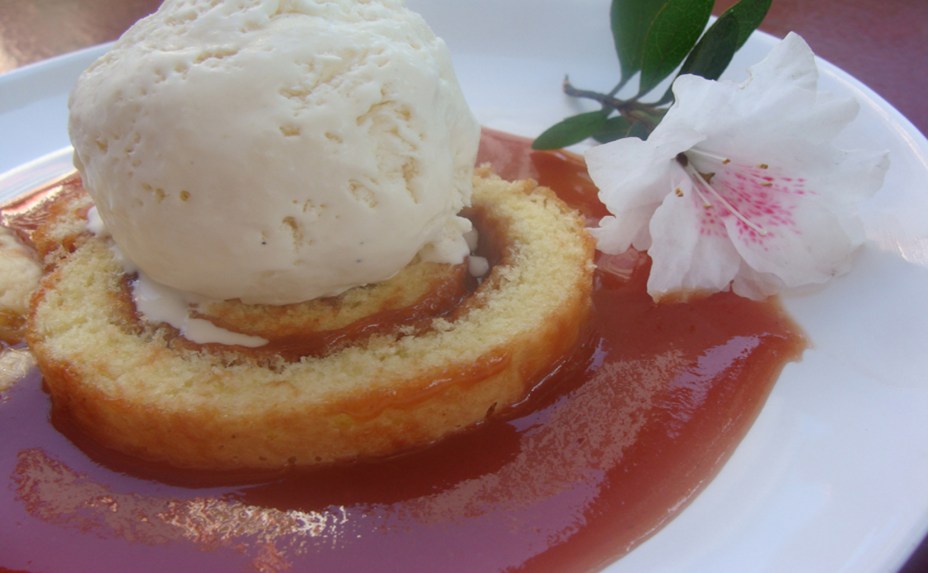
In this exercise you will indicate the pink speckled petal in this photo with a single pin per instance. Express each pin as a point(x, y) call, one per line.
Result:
point(814, 236)
point(686, 255)
point(762, 200)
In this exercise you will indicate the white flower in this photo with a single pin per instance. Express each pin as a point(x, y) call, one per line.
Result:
point(739, 186)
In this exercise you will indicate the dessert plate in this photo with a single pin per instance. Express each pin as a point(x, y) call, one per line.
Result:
point(832, 474)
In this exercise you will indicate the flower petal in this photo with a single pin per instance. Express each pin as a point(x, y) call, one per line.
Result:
point(686, 255)
point(751, 284)
point(777, 102)
point(791, 62)
point(633, 177)
point(760, 200)
point(811, 235)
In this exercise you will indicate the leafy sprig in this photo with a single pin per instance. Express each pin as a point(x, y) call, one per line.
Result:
point(654, 38)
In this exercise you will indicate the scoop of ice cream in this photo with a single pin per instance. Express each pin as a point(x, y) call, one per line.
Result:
point(276, 151)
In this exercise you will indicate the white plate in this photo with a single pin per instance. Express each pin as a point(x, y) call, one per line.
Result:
point(834, 473)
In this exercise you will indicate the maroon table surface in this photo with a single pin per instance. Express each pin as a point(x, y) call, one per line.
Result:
point(883, 43)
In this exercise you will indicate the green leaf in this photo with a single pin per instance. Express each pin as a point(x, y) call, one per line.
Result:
point(669, 38)
point(715, 49)
point(572, 130)
point(712, 53)
point(630, 20)
point(750, 14)
point(619, 127)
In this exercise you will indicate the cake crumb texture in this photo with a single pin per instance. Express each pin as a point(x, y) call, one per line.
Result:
point(128, 386)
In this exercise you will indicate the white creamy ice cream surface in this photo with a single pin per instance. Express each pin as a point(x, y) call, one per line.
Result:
point(276, 151)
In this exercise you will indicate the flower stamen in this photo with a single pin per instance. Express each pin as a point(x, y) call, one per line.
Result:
point(701, 181)
point(724, 198)
point(713, 156)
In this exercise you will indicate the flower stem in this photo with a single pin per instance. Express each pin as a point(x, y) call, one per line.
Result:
point(699, 179)
point(631, 109)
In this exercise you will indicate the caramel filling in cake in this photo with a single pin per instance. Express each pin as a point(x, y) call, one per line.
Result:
point(408, 302)
point(376, 371)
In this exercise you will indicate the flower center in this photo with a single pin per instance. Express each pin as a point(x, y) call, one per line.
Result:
point(702, 184)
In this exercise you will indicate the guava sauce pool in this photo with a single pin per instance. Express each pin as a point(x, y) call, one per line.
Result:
point(607, 449)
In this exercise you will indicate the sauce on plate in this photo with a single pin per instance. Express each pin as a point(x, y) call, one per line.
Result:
point(611, 446)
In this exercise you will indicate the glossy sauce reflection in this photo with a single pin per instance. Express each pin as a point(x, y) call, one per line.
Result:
point(608, 449)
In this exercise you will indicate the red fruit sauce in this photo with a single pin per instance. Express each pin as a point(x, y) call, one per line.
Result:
point(607, 449)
